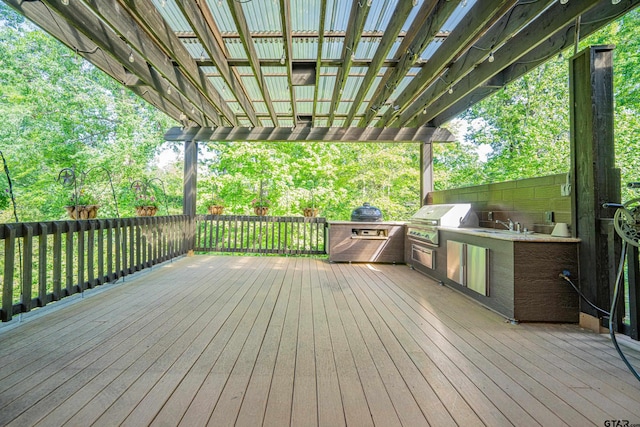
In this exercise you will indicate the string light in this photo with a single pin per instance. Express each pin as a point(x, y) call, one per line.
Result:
point(282, 59)
point(65, 2)
point(424, 111)
point(131, 57)
point(615, 1)
point(564, 1)
point(450, 90)
point(415, 2)
point(491, 57)
point(168, 90)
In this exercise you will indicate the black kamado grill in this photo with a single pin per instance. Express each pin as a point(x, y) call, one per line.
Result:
point(366, 213)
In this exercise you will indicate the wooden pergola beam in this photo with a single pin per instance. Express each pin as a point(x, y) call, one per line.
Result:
point(321, 24)
point(128, 31)
point(469, 30)
point(308, 134)
point(509, 24)
point(553, 21)
point(357, 19)
point(552, 46)
point(149, 17)
point(95, 50)
point(431, 17)
point(209, 41)
point(285, 18)
point(390, 36)
point(245, 34)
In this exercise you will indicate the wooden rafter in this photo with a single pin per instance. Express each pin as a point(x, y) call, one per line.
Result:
point(88, 21)
point(307, 134)
point(431, 17)
point(147, 15)
point(509, 24)
point(209, 41)
point(148, 46)
point(321, 25)
point(357, 19)
point(241, 22)
point(400, 14)
point(560, 41)
point(472, 27)
point(285, 18)
point(128, 29)
point(83, 46)
point(555, 19)
point(121, 52)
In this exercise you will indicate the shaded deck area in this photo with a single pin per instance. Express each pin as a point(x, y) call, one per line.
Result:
point(223, 340)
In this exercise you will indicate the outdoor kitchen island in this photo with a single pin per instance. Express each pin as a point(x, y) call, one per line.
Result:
point(513, 274)
point(361, 241)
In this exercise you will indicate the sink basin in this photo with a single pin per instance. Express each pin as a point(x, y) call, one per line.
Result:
point(494, 231)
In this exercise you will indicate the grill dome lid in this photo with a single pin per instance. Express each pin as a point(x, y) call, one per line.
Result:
point(365, 213)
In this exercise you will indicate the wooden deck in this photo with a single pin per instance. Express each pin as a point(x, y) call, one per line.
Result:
point(223, 340)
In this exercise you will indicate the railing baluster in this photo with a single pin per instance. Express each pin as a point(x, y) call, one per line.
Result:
point(132, 243)
point(80, 256)
point(69, 258)
point(27, 267)
point(57, 261)
point(91, 242)
point(9, 265)
point(42, 265)
point(101, 278)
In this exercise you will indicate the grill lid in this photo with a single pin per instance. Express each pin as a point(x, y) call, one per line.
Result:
point(366, 213)
point(446, 215)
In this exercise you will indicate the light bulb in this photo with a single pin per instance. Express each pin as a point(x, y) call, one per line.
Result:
point(564, 1)
point(615, 1)
point(491, 57)
point(131, 58)
point(65, 2)
point(369, 2)
point(353, 57)
point(450, 90)
point(424, 111)
point(415, 2)
point(282, 60)
point(168, 90)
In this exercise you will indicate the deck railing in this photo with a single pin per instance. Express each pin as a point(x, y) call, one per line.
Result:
point(46, 261)
point(260, 234)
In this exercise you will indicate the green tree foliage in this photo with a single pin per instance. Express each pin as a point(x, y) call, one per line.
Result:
point(59, 111)
point(339, 177)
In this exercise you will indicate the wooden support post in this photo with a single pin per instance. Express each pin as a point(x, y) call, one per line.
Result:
point(190, 186)
point(594, 177)
point(426, 171)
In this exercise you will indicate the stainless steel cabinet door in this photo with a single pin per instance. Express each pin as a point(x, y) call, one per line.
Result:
point(477, 272)
point(456, 261)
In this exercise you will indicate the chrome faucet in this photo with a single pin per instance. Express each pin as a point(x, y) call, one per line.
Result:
point(507, 225)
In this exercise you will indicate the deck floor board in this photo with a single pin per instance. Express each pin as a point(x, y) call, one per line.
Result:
point(232, 340)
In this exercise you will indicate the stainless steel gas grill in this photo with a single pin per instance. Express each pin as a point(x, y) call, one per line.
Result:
point(423, 229)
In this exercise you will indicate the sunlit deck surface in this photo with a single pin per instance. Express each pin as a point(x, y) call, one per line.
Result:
point(223, 340)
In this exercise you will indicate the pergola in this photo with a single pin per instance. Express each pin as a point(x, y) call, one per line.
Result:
point(279, 341)
point(317, 70)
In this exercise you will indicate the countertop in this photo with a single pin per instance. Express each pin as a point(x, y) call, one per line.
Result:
point(367, 223)
point(511, 235)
